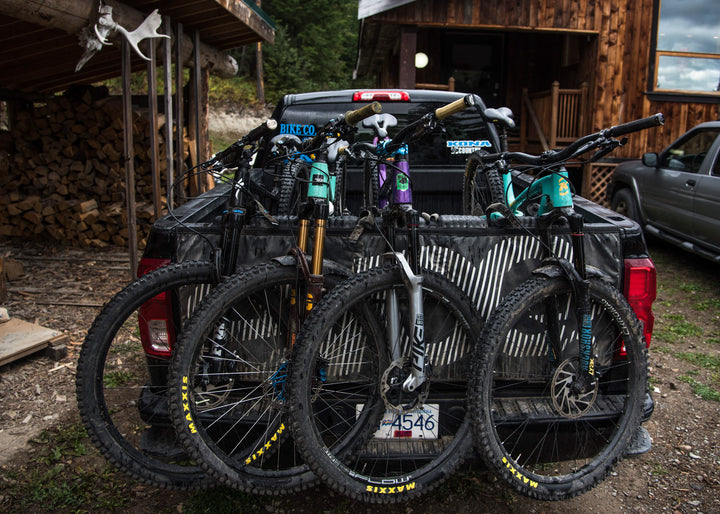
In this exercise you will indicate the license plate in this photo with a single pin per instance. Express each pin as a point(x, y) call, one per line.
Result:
point(421, 423)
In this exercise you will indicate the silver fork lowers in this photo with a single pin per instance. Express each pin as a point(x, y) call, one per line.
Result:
point(413, 284)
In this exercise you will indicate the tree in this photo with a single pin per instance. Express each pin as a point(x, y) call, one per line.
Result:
point(315, 45)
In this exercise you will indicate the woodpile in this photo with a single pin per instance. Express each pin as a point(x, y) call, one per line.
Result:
point(62, 171)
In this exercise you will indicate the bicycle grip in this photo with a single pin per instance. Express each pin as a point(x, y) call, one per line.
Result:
point(458, 105)
point(261, 130)
point(356, 116)
point(633, 126)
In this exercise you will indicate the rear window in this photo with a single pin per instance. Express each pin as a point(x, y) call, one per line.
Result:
point(454, 138)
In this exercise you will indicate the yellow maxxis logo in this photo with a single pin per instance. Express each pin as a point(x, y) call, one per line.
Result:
point(390, 490)
point(186, 405)
point(525, 480)
point(267, 445)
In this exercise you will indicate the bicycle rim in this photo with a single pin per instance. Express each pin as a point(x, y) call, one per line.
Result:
point(544, 440)
point(338, 408)
point(121, 389)
point(229, 388)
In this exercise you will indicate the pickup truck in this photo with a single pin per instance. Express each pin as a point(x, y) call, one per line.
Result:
point(486, 261)
point(674, 194)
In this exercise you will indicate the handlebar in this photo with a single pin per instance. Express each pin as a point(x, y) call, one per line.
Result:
point(349, 119)
point(458, 105)
point(580, 146)
point(633, 126)
point(261, 130)
point(254, 135)
point(356, 116)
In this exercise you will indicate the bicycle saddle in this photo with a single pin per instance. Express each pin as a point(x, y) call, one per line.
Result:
point(380, 123)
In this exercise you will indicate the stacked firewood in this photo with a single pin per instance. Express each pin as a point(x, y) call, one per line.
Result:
point(62, 171)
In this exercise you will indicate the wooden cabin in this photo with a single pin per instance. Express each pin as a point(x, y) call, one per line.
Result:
point(565, 67)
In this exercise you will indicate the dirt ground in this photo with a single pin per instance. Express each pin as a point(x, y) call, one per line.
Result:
point(48, 464)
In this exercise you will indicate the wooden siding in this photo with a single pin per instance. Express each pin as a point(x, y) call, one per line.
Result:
point(615, 58)
point(568, 15)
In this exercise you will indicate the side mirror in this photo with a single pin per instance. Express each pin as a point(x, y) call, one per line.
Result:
point(650, 159)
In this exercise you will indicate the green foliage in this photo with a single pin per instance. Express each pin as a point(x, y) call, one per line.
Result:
point(315, 46)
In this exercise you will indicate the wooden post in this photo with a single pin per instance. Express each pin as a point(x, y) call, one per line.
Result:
point(153, 122)
point(167, 68)
point(180, 107)
point(582, 120)
point(555, 94)
point(259, 68)
point(129, 158)
point(195, 187)
point(408, 47)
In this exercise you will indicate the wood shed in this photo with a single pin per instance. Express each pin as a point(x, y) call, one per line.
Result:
point(79, 166)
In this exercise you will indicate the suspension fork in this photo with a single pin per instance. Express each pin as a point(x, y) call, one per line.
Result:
point(413, 280)
point(581, 288)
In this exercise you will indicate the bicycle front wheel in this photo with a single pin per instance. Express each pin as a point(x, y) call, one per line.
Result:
point(122, 375)
point(544, 438)
point(355, 426)
point(228, 390)
point(482, 187)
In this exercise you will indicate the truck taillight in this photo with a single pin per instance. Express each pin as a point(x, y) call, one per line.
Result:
point(381, 96)
point(640, 289)
point(155, 318)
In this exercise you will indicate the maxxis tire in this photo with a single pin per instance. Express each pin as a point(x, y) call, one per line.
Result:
point(518, 437)
point(482, 186)
point(241, 440)
point(292, 179)
point(350, 471)
point(111, 354)
point(371, 184)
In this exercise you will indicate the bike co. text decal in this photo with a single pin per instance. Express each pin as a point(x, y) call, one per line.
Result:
point(459, 147)
point(297, 130)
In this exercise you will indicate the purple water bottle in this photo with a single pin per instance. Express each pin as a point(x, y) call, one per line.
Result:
point(402, 192)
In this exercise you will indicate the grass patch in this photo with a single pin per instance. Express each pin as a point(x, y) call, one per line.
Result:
point(676, 328)
point(700, 359)
point(691, 288)
point(703, 391)
point(710, 303)
point(54, 480)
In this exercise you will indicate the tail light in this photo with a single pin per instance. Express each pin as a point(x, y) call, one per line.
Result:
point(381, 96)
point(155, 318)
point(640, 289)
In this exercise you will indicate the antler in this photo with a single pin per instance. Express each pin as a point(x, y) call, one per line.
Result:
point(146, 30)
point(94, 40)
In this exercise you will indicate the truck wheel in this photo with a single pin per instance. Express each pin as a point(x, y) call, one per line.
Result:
point(624, 203)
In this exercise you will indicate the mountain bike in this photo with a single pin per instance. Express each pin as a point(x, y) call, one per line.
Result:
point(228, 380)
point(377, 380)
point(122, 371)
point(560, 379)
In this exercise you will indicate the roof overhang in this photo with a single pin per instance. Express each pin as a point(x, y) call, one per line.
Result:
point(39, 44)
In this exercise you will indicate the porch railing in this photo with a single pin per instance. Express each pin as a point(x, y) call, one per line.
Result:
point(554, 117)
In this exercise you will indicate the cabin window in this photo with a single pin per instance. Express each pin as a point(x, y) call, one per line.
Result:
point(687, 53)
